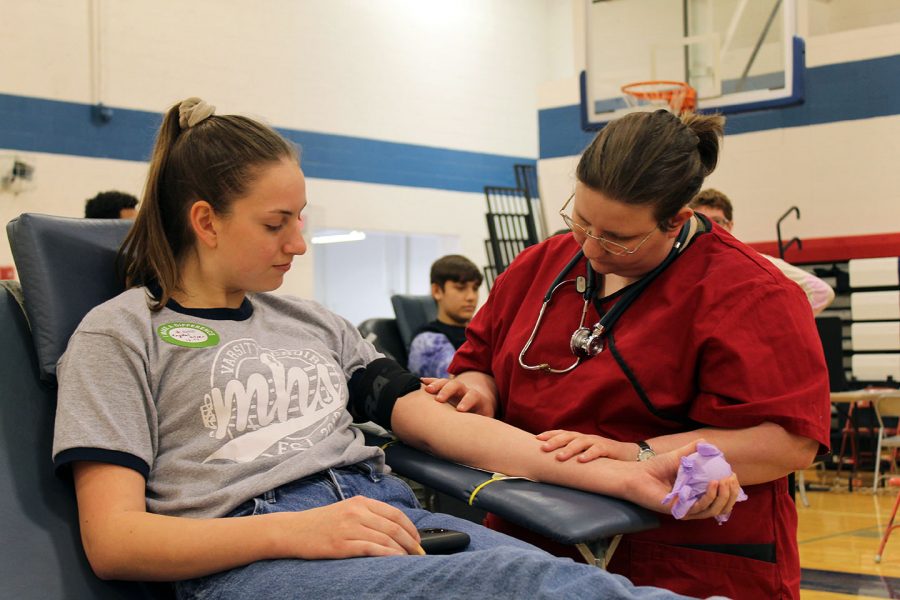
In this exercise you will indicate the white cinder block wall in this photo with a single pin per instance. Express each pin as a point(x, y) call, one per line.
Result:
point(467, 75)
point(460, 75)
point(842, 175)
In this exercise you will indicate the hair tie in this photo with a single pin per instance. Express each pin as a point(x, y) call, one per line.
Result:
point(193, 111)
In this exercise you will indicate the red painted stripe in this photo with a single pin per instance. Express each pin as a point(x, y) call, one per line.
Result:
point(836, 248)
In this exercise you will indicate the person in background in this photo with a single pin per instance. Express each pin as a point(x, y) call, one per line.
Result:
point(455, 281)
point(111, 205)
point(718, 208)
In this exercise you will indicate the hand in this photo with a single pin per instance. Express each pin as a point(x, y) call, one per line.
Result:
point(458, 394)
point(654, 478)
point(587, 447)
point(358, 526)
point(719, 499)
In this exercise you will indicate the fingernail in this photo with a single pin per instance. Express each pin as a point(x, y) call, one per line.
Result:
point(420, 550)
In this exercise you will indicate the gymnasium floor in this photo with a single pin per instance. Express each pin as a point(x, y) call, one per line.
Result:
point(838, 534)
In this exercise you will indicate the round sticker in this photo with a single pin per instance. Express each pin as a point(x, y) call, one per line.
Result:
point(188, 335)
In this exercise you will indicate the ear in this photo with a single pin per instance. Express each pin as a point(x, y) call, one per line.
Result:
point(678, 220)
point(203, 221)
point(437, 292)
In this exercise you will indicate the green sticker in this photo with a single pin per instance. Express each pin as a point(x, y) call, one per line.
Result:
point(188, 335)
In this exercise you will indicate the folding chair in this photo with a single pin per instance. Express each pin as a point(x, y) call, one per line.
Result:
point(886, 405)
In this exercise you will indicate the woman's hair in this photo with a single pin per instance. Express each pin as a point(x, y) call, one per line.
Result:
point(654, 158)
point(198, 156)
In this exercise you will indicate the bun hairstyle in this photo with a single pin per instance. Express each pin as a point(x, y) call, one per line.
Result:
point(198, 155)
point(654, 158)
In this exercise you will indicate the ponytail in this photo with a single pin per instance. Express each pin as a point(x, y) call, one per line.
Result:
point(709, 129)
point(197, 156)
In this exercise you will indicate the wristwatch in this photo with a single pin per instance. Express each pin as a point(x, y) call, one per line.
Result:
point(645, 452)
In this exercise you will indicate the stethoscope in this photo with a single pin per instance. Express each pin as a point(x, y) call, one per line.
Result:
point(587, 342)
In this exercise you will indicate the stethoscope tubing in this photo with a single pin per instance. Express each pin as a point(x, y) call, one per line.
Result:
point(605, 324)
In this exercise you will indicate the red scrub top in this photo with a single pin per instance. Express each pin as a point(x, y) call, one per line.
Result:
point(720, 339)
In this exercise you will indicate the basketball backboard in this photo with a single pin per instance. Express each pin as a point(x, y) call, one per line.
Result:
point(738, 54)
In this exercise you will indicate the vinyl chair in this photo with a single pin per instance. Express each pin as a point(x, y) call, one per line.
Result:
point(412, 312)
point(385, 336)
point(66, 268)
point(41, 555)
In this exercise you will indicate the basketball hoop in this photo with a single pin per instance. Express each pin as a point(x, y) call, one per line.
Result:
point(676, 96)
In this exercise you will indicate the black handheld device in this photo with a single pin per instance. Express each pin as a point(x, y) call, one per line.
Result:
point(443, 541)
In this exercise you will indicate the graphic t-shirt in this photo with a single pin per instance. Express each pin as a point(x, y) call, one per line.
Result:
point(211, 406)
point(433, 347)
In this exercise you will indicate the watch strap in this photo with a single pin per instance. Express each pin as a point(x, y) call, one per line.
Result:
point(645, 452)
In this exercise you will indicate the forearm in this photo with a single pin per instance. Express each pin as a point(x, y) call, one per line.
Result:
point(135, 545)
point(496, 446)
point(757, 454)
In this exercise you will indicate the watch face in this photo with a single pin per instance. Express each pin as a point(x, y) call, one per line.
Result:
point(646, 455)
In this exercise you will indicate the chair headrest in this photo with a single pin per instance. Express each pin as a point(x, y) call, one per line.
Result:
point(66, 267)
point(412, 312)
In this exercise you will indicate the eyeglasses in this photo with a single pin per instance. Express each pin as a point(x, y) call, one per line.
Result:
point(720, 221)
point(608, 245)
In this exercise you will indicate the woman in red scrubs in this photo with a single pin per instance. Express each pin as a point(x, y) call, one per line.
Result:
point(702, 338)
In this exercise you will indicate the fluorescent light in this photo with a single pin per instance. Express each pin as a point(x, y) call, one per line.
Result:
point(334, 238)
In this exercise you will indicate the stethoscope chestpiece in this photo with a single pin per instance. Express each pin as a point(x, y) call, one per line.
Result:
point(586, 343)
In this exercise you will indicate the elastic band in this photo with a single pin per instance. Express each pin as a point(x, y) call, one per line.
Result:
point(494, 477)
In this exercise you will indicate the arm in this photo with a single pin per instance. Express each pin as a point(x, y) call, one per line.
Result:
point(757, 454)
point(496, 446)
point(123, 541)
point(819, 293)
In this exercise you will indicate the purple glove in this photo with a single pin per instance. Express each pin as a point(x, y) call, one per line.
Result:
point(696, 471)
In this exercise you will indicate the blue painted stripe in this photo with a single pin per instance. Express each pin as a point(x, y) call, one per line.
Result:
point(839, 92)
point(40, 125)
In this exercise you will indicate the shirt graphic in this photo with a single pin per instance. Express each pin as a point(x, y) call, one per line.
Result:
point(265, 402)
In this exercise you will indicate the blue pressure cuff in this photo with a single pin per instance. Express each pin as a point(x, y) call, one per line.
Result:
point(375, 388)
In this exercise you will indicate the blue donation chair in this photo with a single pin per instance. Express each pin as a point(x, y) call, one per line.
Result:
point(412, 312)
point(66, 268)
point(41, 555)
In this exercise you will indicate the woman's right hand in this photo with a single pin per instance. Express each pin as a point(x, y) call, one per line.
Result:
point(463, 397)
point(655, 477)
point(355, 527)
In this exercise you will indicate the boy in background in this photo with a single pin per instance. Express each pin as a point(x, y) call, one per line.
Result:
point(454, 286)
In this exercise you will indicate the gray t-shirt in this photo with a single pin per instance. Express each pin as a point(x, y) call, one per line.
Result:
point(212, 406)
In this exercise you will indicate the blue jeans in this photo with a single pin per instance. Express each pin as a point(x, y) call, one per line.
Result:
point(493, 566)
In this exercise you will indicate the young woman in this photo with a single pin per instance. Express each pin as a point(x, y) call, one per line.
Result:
point(697, 335)
point(206, 422)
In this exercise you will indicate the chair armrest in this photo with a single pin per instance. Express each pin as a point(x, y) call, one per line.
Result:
point(562, 514)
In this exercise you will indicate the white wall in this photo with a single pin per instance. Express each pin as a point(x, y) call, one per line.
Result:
point(461, 75)
point(831, 16)
point(842, 175)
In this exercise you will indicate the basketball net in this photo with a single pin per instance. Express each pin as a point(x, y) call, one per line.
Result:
point(675, 96)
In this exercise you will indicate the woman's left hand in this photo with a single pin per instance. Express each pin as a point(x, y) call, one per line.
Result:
point(587, 447)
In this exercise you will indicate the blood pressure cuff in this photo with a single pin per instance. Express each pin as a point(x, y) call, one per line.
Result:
point(374, 390)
